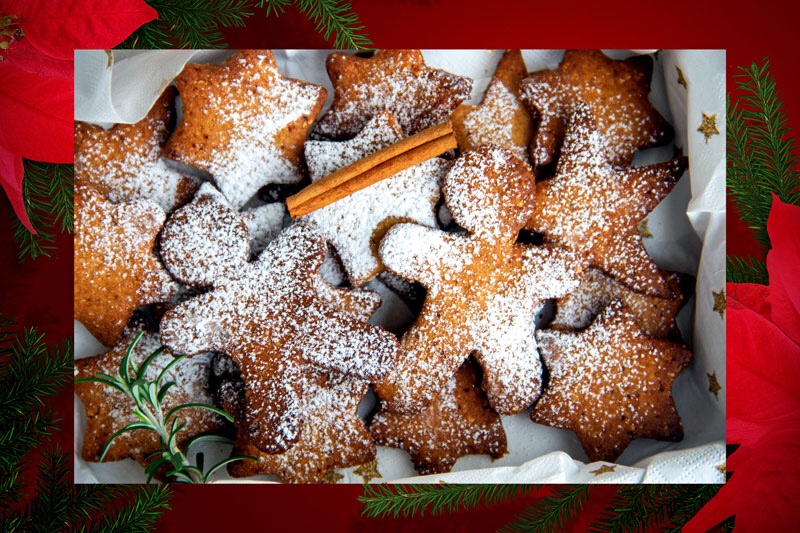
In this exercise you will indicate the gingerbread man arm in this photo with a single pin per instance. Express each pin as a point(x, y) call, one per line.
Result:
point(414, 252)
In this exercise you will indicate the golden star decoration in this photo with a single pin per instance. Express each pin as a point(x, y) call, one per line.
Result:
point(721, 469)
point(708, 126)
point(603, 470)
point(719, 303)
point(332, 477)
point(368, 471)
point(681, 78)
point(713, 385)
point(641, 227)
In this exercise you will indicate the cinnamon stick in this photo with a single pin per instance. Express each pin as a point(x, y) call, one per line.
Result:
point(375, 167)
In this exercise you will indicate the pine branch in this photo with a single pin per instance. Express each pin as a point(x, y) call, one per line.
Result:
point(638, 507)
point(551, 513)
point(140, 516)
point(761, 152)
point(18, 438)
point(746, 270)
point(331, 18)
point(689, 504)
point(190, 23)
point(47, 192)
point(408, 500)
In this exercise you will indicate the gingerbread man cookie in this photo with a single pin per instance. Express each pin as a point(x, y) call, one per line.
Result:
point(500, 118)
point(116, 269)
point(125, 163)
point(355, 225)
point(593, 207)
point(483, 289)
point(615, 91)
point(398, 81)
point(244, 122)
point(610, 384)
point(265, 314)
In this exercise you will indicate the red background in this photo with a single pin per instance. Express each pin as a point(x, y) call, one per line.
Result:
point(39, 294)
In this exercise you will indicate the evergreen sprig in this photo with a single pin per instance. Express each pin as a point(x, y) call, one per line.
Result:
point(148, 397)
point(47, 192)
point(331, 17)
point(746, 270)
point(140, 516)
point(761, 152)
point(190, 23)
point(409, 500)
point(552, 513)
point(687, 505)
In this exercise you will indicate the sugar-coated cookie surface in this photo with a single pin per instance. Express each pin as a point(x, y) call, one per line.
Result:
point(108, 410)
point(484, 290)
point(264, 314)
point(501, 117)
point(653, 314)
point(244, 122)
point(116, 269)
point(398, 81)
point(593, 207)
point(615, 91)
point(355, 225)
point(125, 163)
point(458, 422)
point(610, 384)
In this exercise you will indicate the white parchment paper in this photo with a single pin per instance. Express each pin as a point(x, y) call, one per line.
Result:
point(688, 231)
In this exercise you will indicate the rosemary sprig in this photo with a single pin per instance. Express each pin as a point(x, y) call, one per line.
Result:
point(148, 397)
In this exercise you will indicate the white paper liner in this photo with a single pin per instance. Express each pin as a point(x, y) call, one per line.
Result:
point(688, 231)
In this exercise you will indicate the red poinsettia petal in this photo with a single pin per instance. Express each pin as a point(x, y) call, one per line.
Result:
point(763, 366)
point(750, 295)
point(783, 264)
point(26, 57)
point(11, 174)
point(36, 115)
point(58, 28)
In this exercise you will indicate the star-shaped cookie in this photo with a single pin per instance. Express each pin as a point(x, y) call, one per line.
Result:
point(500, 118)
point(653, 314)
point(244, 122)
point(395, 80)
point(457, 423)
point(333, 435)
point(125, 163)
point(615, 91)
point(355, 224)
point(593, 207)
point(116, 269)
point(484, 289)
point(610, 384)
point(109, 410)
point(266, 315)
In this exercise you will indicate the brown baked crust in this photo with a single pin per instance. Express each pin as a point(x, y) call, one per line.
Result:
point(615, 91)
point(395, 80)
point(265, 314)
point(654, 315)
point(244, 122)
point(610, 384)
point(484, 290)
point(115, 268)
point(593, 207)
point(501, 117)
point(458, 422)
point(109, 410)
point(125, 162)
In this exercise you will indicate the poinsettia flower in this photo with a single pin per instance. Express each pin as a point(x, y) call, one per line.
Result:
point(37, 40)
point(763, 379)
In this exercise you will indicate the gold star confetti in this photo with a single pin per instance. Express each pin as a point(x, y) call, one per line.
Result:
point(641, 227)
point(681, 79)
point(368, 471)
point(603, 469)
point(713, 385)
point(709, 126)
point(721, 469)
point(719, 303)
point(331, 477)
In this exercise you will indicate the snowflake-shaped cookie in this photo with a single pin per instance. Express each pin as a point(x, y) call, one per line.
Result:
point(355, 224)
point(484, 289)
